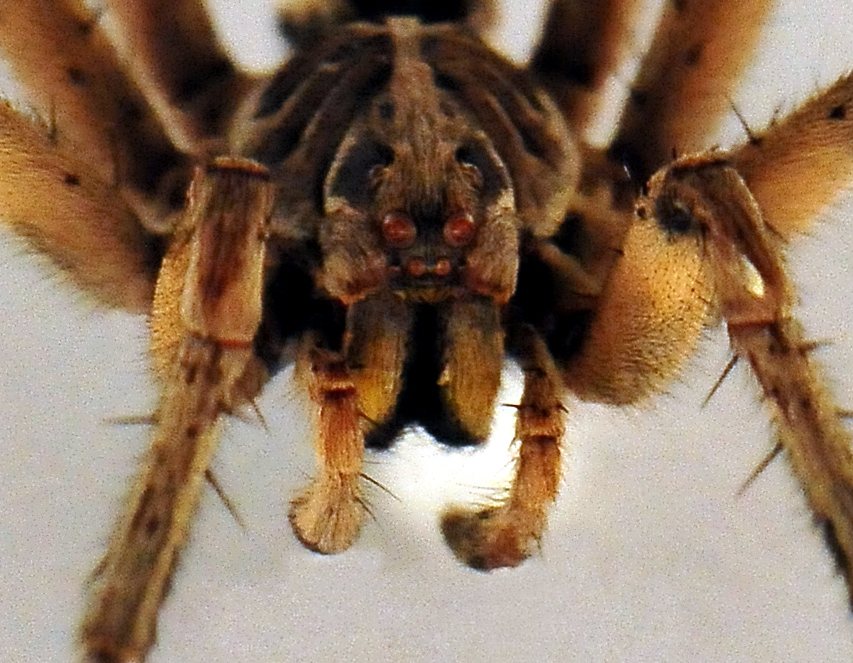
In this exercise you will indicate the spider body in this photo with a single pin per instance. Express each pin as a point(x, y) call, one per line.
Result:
point(401, 208)
point(416, 216)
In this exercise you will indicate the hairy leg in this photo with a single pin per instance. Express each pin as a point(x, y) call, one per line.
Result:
point(583, 44)
point(61, 55)
point(53, 199)
point(686, 80)
point(206, 312)
point(327, 515)
point(185, 73)
point(704, 198)
point(131, 582)
point(800, 164)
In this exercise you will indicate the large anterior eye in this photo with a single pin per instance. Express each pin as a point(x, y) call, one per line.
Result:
point(399, 230)
point(459, 229)
point(354, 176)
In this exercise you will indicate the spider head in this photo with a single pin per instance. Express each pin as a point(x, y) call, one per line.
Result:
point(426, 211)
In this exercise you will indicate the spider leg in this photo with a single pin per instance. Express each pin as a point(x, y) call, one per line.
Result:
point(582, 45)
point(60, 53)
point(619, 306)
point(184, 71)
point(326, 516)
point(506, 534)
point(353, 388)
point(801, 163)
point(52, 199)
point(686, 80)
point(207, 309)
point(706, 199)
point(303, 23)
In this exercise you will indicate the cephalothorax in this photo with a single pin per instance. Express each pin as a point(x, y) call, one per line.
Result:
point(400, 208)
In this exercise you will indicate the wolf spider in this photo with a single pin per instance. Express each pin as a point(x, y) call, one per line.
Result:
point(155, 167)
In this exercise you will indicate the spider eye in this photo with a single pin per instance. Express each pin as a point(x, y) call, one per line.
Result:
point(468, 156)
point(399, 230)
point(355, 176)
point(459, 229)
point(675, 217)
point(484, 165)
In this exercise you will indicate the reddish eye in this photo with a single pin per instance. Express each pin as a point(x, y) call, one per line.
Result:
point(398, 230)
point(416, 267)
point(459, 229)
point(442, 267)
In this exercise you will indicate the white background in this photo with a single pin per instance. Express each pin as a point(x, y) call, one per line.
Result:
point(650, 556)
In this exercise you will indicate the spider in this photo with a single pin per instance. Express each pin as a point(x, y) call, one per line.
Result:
point(251, 173)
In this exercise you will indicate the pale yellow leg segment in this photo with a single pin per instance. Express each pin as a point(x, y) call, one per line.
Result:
point(687, 80)
point(648, 319)
point(506, 535)
point(800, 164)
point(756, 298)
point(327, 515)
point(53, 199)
point(207, 311)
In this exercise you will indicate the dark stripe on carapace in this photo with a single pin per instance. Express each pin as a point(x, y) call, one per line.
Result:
point(477, 78)
point(322, 66)
point(319, 113)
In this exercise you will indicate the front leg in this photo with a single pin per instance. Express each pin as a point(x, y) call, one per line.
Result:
point(351, 389)
point(326, 516)
point(206, 314)
point(704, 200)
point(130, 583)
